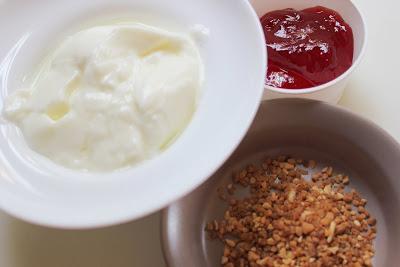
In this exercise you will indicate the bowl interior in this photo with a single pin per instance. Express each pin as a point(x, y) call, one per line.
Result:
point(35, 189)
point(309, 130)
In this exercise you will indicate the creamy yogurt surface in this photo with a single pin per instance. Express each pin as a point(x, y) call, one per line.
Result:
point(110, 96)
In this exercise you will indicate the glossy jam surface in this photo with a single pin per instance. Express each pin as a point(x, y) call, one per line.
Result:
point(306, 48)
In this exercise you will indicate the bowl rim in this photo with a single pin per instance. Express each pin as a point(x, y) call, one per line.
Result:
point(338, 79)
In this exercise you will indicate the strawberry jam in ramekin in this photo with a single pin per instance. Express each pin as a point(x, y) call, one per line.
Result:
point(306, 48)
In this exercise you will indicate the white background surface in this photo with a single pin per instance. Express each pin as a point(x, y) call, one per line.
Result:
point(373, 92)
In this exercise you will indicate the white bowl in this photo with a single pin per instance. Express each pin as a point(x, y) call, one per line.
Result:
point(36, 190)
point(333, 90)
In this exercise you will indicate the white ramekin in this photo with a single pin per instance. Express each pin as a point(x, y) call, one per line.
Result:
point(333, 90)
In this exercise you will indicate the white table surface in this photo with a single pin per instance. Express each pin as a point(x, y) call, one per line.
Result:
point(374, 92)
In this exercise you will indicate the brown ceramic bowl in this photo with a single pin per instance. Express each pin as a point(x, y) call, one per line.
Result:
point(311, 130)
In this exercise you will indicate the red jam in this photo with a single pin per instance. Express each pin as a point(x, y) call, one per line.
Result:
point(306, 48)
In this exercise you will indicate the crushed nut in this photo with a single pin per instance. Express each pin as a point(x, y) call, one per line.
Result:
point(289, 221)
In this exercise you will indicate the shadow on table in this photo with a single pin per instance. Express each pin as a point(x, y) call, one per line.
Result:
point(128, 245)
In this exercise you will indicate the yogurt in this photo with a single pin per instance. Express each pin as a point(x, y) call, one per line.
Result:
point(110, 96)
